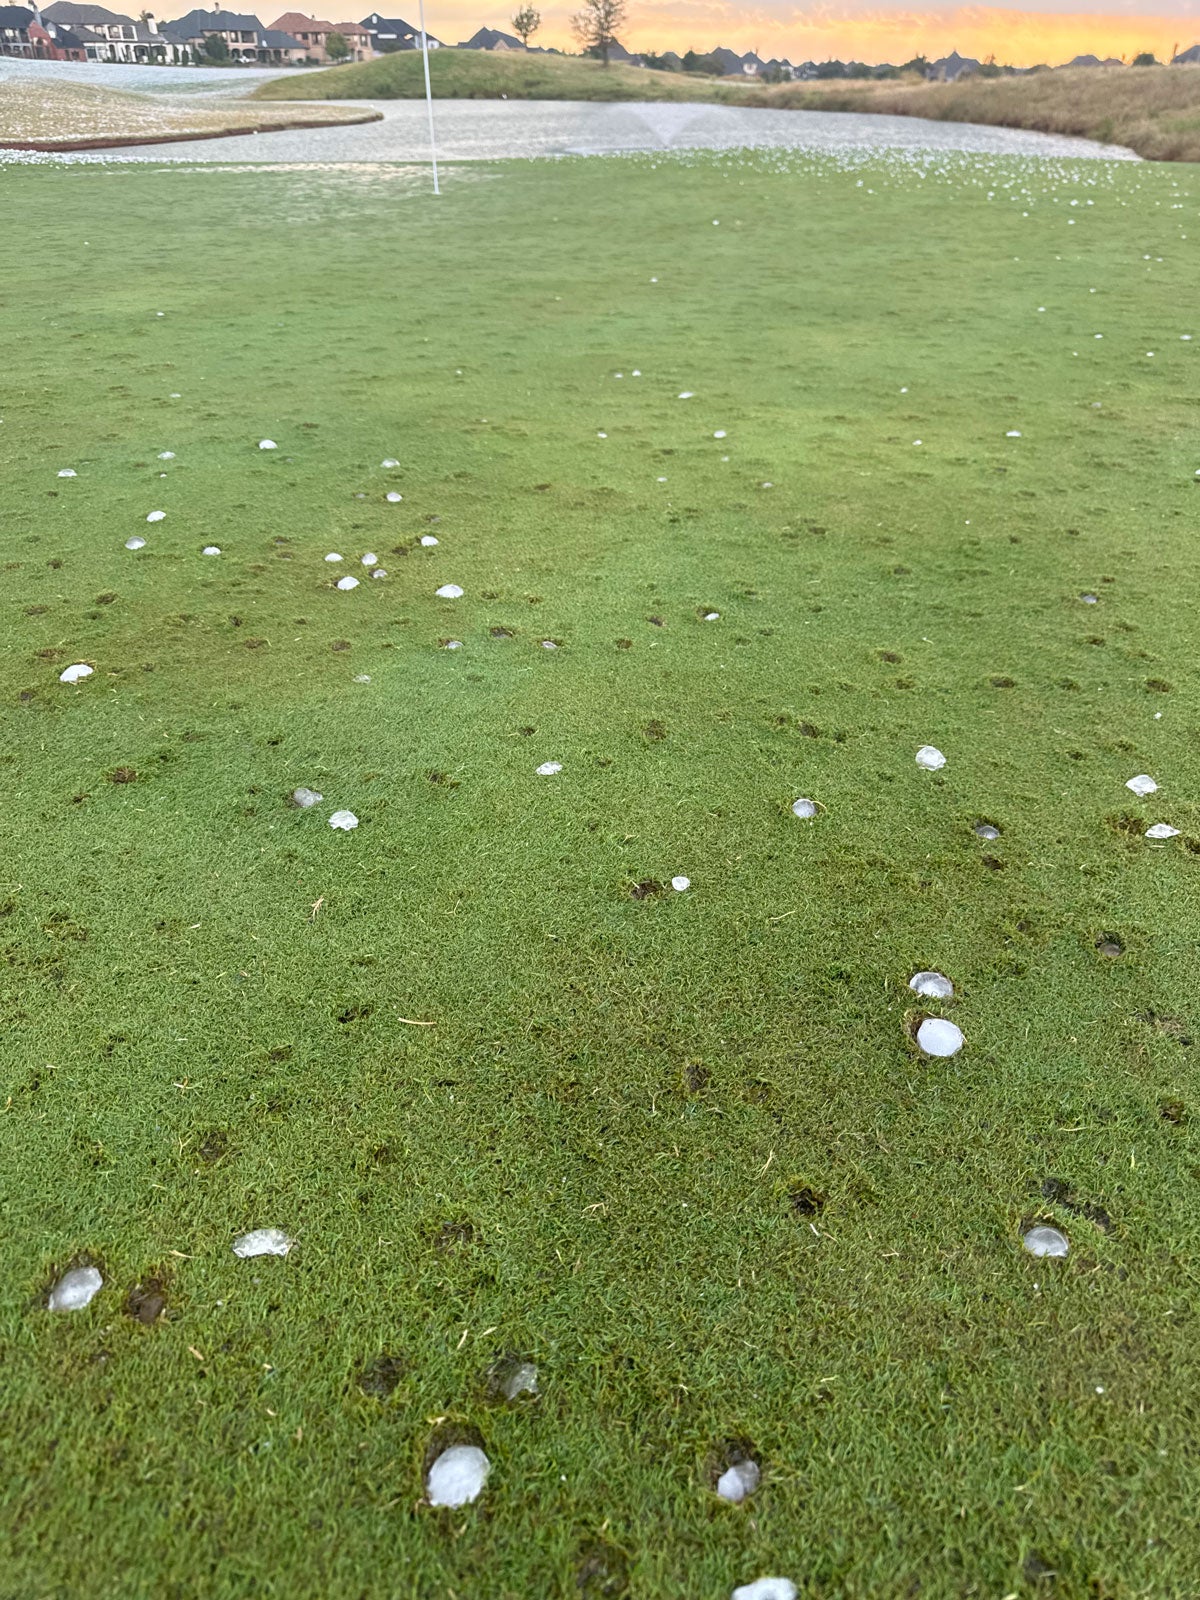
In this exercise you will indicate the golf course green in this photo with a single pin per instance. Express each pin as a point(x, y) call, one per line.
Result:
point(516, 1100)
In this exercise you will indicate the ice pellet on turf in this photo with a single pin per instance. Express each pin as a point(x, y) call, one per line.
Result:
point(75, 1289)
point(937, 1037)
point(738, 1481)
point(766, 1589)
point(1142, 785)
point(521, 1380)
point(804, 809)
point(931, 758)
point(344, 821)
point(936, 984)
point(457, 1476)
point(77, 673)
point(449, 591)
point(263, 1242)
point(306, 797)
point(1161, 830)
point(1046, 1242)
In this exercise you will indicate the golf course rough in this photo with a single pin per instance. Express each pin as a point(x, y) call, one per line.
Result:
point(510, 1099)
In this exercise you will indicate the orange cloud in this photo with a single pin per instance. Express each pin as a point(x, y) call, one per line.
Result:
point(871, 34)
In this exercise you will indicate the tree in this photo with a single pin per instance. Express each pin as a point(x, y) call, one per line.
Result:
point(215, 47)
point(336, 47)
point(831, 69)
point(596, 25)
point(526, 23)
point(705, 65)
point(657, 63)
point(918, 64)
point(1146, 59)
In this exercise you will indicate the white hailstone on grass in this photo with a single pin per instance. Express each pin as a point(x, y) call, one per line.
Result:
point(805, 809)
point(68, 472)
point(523, 1379)
point(1142, 785)
point(77, 673)
point(333, 556)
point(457, 1476)
point(211, 550)
point(394, 496)
point(637, 374)
point(935, 984)
point(687, 394)
point(449, 591)
point(1162, 830)
point(766, 1589)
point(1012, 434)
point(738, 1481)
point(136, 543)
point(75, 1289)
point(663, 480)
point(343, 821)
point(1090, 599)
point(263, 444)
point(452, 644)
point(916, 441)
point(601, 436)
point(1045, 1242)
point(155, 516)
point(680, 884)
point(986, 830)
point(262, 1242)
point(305, 798)
point(380, 572)
point(931, 758)
point(549, 644)
point(166, 455)
point(362, 677)
point(937, 1037)
point(346, 583)
point(719, 434)
point(766, 486)
point(370, 559)
point(712, 616)
point(549, 768)
point(390, 462)
point(428, 540)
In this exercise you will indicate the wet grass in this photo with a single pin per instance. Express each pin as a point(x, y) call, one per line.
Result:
point(676, 1149)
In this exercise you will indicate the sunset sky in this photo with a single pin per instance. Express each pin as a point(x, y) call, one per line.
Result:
point(1053, 31)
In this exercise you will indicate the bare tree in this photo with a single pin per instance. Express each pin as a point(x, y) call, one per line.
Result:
point(596, 25)
point(526, 23)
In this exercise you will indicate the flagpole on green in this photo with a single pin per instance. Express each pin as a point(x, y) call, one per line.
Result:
point(429, 98)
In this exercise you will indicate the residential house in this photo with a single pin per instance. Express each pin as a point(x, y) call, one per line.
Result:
point(280, 49)
point(56, 43)
point(311, 33)
point(951, 67)
point(113, 36)
point(735, 66)
point(1189, 58)
point(491, 39)
point(357, 38)
point(1093, 61)
point(15, 22)
point(393, 33)
point(240, 33)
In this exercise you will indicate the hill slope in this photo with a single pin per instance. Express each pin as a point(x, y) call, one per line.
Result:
point(482, 75)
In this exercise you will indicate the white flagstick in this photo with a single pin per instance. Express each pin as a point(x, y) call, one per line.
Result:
point(429, 99)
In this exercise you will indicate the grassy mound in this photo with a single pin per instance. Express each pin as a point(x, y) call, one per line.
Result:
point(488, 75)
point(1153, 110)
point(517, 1099)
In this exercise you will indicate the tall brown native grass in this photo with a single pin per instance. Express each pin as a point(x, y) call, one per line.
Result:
point(1153, 110)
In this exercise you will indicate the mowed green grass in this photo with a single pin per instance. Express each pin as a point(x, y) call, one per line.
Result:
point(494, 75)
point(678, 1150)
